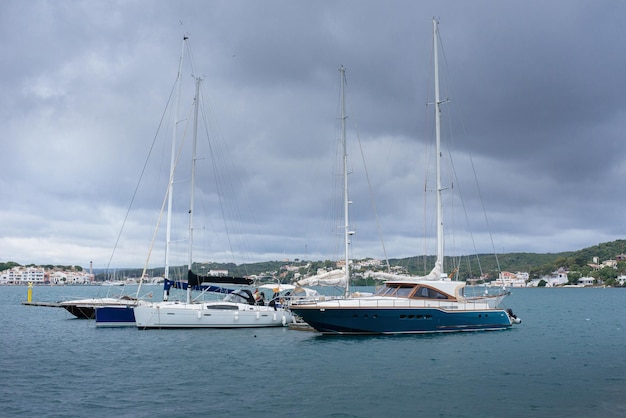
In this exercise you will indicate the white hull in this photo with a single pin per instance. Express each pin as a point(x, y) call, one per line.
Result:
point(209, 315)
point(94, 302)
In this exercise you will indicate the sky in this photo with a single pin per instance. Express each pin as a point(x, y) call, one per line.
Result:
point(535, 111)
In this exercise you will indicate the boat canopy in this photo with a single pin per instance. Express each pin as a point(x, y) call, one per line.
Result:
point(450, 288)
point(304, 293)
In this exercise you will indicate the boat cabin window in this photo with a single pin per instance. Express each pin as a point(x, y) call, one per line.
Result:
point(428, 293)
point(400, 291)
point(385, 291)
point(404, 291)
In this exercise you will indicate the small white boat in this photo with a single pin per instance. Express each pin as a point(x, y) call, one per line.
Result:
point(86, 308)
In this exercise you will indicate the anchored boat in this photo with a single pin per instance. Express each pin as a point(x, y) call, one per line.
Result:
point(412, 305)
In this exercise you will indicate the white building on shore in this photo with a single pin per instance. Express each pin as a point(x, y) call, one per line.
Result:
point(38, 275)
point(70, 277)
point(557, 278)
point(508, 279)
point(23, 275)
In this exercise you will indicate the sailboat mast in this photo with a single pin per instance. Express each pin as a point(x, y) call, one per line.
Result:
point(346, 201)
point(193, 181)
point(438, 146)
point(168, 233)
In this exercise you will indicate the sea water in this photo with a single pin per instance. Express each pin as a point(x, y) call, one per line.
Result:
point(566, 359)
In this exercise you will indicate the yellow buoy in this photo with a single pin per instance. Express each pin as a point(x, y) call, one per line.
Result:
point(30, 292)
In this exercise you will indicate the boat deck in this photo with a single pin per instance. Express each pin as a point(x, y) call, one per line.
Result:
point(48, 304)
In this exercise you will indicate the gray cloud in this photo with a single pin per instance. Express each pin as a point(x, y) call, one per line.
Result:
point(536, 97)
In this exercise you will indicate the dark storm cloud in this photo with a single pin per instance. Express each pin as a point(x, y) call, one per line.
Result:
point(535, 89)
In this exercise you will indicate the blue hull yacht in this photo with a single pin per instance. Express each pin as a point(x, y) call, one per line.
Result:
point(407, 304)
point(408, 307)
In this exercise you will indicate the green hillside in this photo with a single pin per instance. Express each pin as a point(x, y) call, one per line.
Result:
point(577, 262)
point(470, 266)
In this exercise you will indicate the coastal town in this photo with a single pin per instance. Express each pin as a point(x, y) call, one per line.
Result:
point(292, 271)
point(20, 275)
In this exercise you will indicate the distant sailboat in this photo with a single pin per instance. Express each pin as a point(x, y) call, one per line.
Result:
point(410, 305)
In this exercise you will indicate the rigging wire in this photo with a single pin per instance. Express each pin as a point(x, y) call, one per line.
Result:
point(475, 178)
point(221, 167)
point(213, 147)
point(163, 206)
point(141, 175)
point(369, 187)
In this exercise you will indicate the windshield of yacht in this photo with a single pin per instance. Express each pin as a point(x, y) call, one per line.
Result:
point(385, 290)
point(239, 296)
point(395, 290)
point(428, 293)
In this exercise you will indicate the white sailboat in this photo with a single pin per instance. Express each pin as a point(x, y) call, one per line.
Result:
point(238, 309)
point(409, 305)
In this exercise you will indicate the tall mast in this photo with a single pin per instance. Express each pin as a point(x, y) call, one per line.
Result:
point(193, 181)
point(346, 201)
point(438, 146)
point(168, 233)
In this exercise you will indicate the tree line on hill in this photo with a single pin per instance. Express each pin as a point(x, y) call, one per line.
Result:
point(465, 267)
point(10, 264)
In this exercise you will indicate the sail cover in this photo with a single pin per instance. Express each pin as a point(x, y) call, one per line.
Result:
point(330, 278)
point(195, 279)
point(435, 274)
point(168, 284)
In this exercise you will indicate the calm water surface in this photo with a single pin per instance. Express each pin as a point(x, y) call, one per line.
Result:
point(566, 359)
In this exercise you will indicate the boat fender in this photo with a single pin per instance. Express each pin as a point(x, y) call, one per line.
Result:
point(258, 314)
point(513, 317)
point(199, 314)
point(284, 321)
point(274, 317)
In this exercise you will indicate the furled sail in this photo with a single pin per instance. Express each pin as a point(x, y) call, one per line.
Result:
point(435, 274)
point(330, 278)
